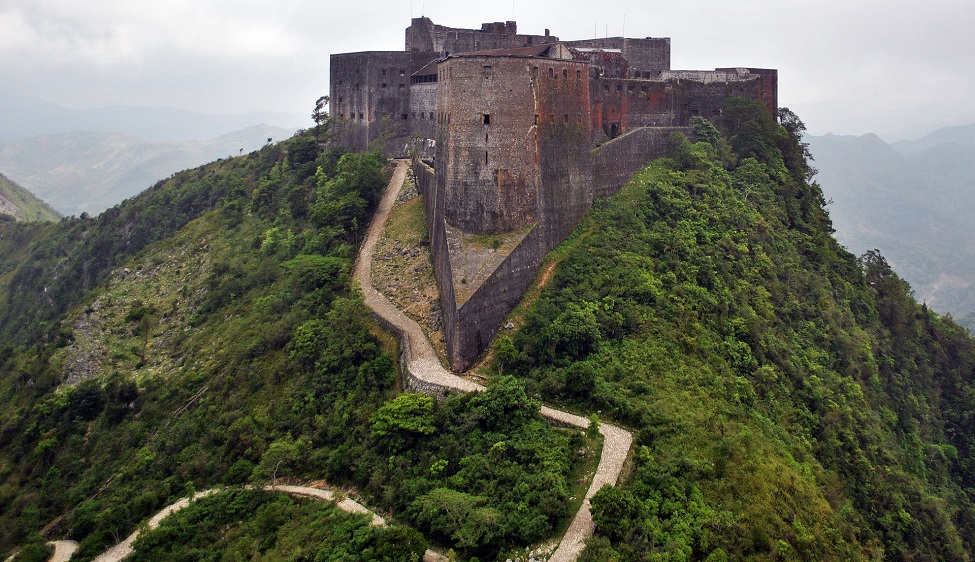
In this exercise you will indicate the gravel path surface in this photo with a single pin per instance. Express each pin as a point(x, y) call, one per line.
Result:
point(124, 548)
point(63, 550)
point(423, 364)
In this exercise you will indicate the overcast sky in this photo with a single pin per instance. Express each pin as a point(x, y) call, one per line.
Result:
point(847, 67)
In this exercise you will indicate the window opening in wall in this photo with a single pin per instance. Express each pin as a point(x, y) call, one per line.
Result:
point(551, 72)
point(384, 72)
point(605, 87)
point(414, 116)
point(402, 86)
point(486, 118)
point(485, 138)
point(402, 73)
point(619, 87)
point(535, 72)
point(565, 74)
point(487, 70)
point(485, 158)
point(579, 118)
point(551, 118)
point(566, 118)
point(431, 115)
point(578, 76)
point(405, 116)
point(536, 119)
point(360, 117)
point(382, 85)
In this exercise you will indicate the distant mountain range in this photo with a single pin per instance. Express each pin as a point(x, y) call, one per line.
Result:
point(88, 172)
point(23, 117)
point(15, 201)
point(914, 200)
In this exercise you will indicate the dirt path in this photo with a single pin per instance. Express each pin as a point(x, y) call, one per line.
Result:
point(124, 548)
point(63, 550)
point(422, 362)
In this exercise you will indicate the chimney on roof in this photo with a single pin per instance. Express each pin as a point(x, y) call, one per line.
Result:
point(547, 32)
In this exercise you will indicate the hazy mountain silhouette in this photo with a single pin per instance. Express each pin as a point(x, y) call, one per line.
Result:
point(913, 200)
point(23, 117)
point(89, 172)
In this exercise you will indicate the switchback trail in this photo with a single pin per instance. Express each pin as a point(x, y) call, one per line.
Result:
point(423, 365)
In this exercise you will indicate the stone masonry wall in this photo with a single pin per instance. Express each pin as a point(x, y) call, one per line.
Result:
point(615, 162)
point(486, 149)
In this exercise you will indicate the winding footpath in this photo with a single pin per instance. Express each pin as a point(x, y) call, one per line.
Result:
point(118, 552)
point(423, 367)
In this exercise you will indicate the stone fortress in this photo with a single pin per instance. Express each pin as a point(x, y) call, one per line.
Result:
point(525, 131)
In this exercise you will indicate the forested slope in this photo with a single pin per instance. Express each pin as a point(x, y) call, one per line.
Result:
point(206, 333)
point(791, 401)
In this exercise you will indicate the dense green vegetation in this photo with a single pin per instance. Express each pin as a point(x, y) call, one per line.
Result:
point(206, 333)
point(264, 526)
point(18, 202)
point(790, 401)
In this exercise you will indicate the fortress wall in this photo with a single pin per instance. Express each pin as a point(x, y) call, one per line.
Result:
point(480, 318)
point(616, 161)
point(648, 55)
point(620, 106)
point(486, 149)
point(430, 187)
point(370, 96)
point(423, 113)
point(425, 36)
point(564, 159)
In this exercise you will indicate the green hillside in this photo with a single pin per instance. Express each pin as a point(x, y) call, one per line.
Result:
point(792, 402)
point(205, 333)
point(789, 400)
point(18, 202)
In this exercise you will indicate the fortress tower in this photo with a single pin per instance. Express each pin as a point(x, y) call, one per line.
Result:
point(525, 131)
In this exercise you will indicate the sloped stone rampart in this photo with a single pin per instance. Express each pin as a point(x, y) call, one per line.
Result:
point(423, 372)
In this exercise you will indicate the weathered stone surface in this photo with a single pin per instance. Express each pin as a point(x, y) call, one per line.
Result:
point(517, 119)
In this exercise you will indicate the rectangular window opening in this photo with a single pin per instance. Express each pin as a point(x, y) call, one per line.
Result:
point(486, 119)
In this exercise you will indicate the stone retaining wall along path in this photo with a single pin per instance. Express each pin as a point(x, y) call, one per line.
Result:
point(424, 373)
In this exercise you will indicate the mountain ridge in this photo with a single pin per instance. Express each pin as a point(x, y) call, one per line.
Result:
point(23, 117)
point(21, 204)
point(88, 172)
point(910, 200)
